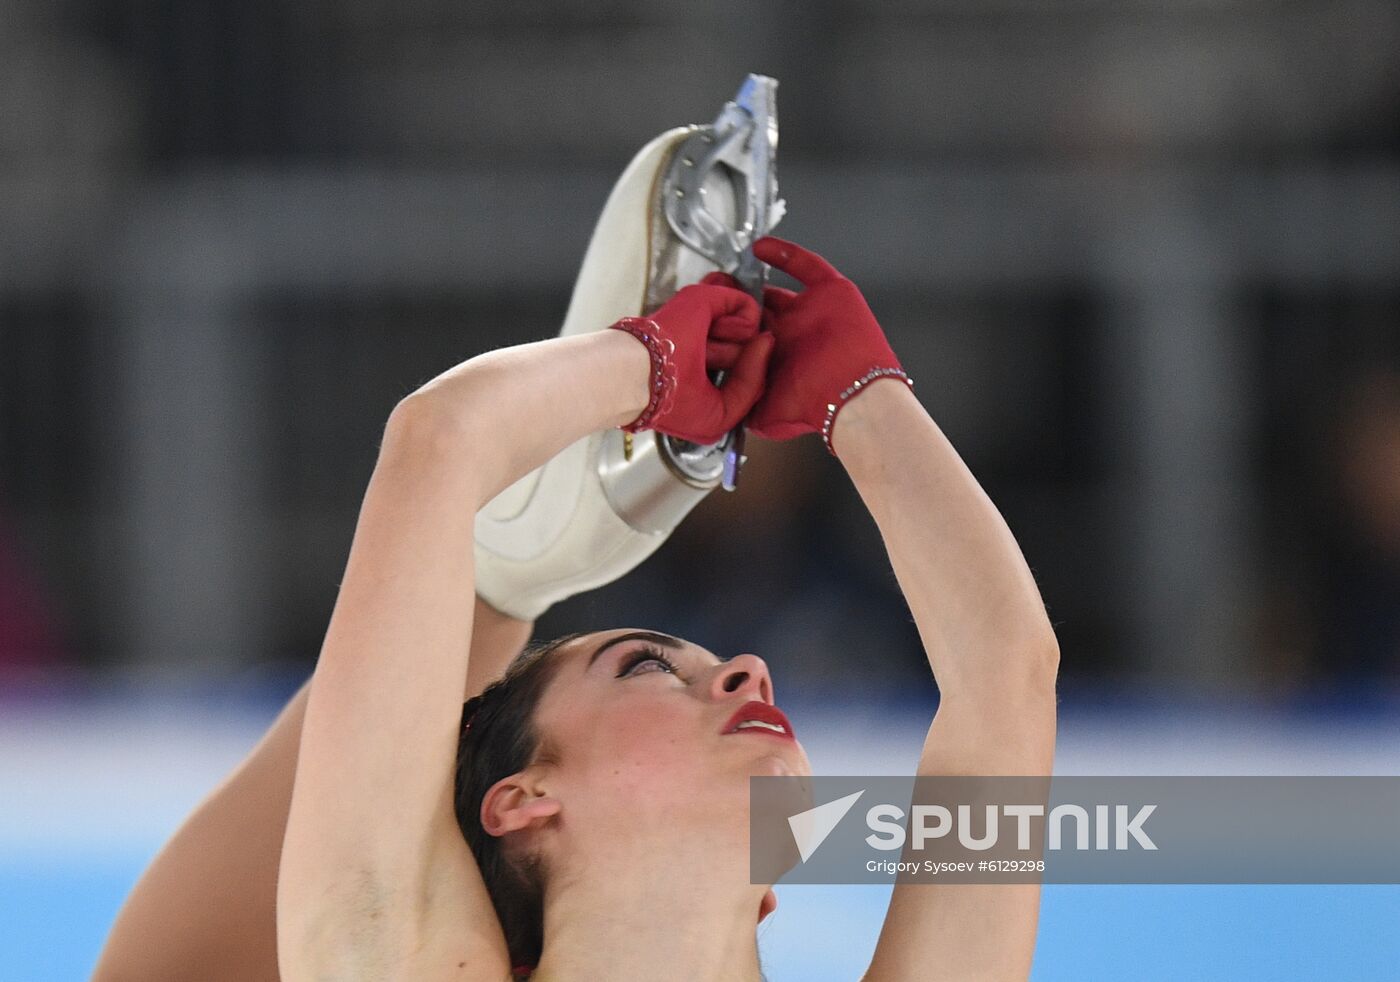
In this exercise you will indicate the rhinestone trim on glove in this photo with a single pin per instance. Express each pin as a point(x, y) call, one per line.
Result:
point(832, 408)
point(662, 383)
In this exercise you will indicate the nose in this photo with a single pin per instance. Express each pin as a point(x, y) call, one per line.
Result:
point(743, 675)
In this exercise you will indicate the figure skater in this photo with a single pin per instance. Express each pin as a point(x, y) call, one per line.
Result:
point(586, 815)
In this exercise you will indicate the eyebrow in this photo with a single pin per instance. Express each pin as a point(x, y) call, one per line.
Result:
point(665, 640)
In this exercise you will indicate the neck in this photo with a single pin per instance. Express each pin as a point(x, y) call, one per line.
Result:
point(672, 920)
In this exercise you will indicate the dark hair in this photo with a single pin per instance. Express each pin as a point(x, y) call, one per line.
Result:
point(498, 738)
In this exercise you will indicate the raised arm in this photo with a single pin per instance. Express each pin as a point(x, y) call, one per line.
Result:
point(993, 653)
point(980, 617)
point(375, 881)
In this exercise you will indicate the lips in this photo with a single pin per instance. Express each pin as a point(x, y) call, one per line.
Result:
point(760, 717)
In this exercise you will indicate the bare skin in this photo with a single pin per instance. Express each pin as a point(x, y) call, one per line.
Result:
point(205, 907)
point(362, 897)
point(993, 652)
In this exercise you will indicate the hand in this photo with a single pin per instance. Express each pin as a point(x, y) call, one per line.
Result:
point(726, 343)
point(704, 327)
point(827, 338)
point(527, 559)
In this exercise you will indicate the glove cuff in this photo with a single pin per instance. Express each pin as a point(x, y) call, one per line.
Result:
point(850, 392)
point(661, 382)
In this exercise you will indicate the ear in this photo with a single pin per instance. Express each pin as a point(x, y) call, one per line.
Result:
point(516, 802)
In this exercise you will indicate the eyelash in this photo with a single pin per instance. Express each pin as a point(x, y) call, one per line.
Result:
point(646, 653)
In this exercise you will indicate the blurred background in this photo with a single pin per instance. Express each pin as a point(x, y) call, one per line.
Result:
point(1142, 259)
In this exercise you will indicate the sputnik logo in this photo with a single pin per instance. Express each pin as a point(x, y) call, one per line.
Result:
point(810, 828)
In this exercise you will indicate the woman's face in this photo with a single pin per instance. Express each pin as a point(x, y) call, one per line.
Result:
point(643, 720)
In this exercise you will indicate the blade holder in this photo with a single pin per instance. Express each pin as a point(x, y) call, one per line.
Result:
point(740, 146)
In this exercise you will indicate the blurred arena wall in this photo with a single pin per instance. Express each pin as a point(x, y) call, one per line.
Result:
point(1142, 259)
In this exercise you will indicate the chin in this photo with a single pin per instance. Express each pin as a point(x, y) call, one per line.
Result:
point(786, 762)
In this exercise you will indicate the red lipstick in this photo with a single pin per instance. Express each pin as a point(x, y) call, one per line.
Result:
point(761, 718)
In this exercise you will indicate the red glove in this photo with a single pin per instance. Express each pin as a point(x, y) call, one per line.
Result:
point(728, 336)
point(829, 346)
point(703, 327)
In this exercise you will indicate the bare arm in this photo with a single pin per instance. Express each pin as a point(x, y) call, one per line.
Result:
point(993, 653)
point(205, 906)
point(370, 884)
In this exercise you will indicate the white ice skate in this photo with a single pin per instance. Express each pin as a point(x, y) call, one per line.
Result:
point(692, 200)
